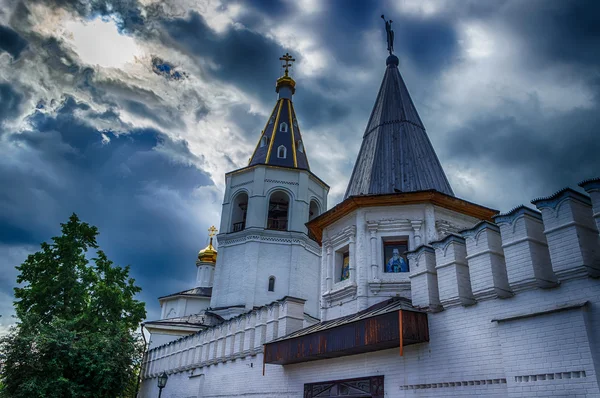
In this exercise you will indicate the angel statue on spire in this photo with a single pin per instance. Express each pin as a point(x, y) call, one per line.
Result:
point(390, 34)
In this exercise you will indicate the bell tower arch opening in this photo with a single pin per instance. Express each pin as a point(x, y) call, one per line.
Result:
point(279, 204)
point(239, 211)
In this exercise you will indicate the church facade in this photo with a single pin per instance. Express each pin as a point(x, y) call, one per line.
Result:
point(400, 290)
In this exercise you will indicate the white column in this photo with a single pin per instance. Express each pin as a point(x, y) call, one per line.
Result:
point(352, 249)
point(329, 269)
point(372, 228)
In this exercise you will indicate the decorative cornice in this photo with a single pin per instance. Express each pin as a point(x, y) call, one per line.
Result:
point(472, 232)
point(242, 184)
point(352, 203)
point(419, 250)
point(591, 184)
point(510, 216)
point(440, 244)
point(281, 182)
point(310, 173)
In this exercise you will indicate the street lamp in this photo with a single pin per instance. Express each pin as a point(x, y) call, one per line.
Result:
point(162, 382)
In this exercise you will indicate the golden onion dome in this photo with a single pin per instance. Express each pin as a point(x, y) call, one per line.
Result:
point(209, 254)
point(286, 81)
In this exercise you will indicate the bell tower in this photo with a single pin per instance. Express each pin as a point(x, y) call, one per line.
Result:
point(265, 250)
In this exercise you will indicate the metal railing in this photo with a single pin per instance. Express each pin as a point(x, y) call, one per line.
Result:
point(239, 226)
point(277, 224)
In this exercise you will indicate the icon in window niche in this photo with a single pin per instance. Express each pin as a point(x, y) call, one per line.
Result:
point(345, 266)
point(395, 259)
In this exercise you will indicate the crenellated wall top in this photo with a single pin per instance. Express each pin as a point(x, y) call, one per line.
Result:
point(555, 199)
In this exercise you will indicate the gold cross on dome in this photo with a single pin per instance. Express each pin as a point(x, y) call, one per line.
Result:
point(212, 231)
point(287, 58)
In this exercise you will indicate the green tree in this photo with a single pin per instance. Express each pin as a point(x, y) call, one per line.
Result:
point(77, 321)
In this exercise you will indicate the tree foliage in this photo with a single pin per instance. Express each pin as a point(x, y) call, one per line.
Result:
point(77, 320)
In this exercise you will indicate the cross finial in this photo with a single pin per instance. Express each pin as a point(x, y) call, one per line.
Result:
point(287, 58)
point(212, 231)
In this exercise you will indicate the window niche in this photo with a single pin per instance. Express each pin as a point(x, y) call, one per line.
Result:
point(283, 127)
point(239, 211)
point(264, 141)
point(394, 255)
point(272, 284)
point(342, 264)
point(282, 152)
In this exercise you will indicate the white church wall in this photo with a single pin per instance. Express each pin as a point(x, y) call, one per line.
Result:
point(542, 340)
point(468, 355)
point(415, 224)
point(249, 261)
point(195, 305)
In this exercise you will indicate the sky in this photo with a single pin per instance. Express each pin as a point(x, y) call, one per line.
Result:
point(129, 112)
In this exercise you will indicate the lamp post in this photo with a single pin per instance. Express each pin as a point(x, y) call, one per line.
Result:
point(162, 382)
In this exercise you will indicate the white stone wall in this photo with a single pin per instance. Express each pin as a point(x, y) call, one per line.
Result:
point(542, 339)
point(248, 258)
point(468, 355)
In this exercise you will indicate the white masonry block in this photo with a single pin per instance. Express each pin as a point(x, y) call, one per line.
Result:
point(572, 234)
point(525, 248)
point(424, 279)
point(291, 315)
point(592, 187)
point(454, 283)
point(485, 257)
point(272, 322)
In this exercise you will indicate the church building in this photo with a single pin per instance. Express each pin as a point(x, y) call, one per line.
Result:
point(401, 290)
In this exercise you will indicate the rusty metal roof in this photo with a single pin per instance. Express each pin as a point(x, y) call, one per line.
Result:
point(375, 310)
point(392, 323)
point(396, 154)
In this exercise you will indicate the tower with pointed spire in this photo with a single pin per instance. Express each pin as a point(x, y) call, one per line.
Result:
point(265, 251)
point(396, 154)
point(398, 198)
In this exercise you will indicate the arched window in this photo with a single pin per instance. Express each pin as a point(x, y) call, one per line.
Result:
point(300, 146)
point(313, 212)
point(264, 141)
point(238, 213)
point(281, 152)
point(279, 204)
point(283, 127)
point(272, 284)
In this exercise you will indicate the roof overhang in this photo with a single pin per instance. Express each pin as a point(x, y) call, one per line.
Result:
point(394, 325)
point(434, 197)
point(177, 295)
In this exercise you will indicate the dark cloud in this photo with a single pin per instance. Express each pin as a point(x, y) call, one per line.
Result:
point(140, 187)
point(548, 153)
point(11, 41)
point(557, 32)
point(238, 52)
point(130, 187)
point(430, 43)
point(10, 101)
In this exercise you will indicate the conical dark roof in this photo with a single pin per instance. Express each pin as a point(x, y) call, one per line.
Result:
point(282, 131)
point(396, 154)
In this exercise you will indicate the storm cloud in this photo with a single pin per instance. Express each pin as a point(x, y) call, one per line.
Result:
point(130, 112)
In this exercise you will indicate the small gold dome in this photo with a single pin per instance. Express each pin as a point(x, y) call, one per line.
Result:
point(209, 254)
point(286, 81)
